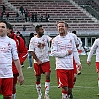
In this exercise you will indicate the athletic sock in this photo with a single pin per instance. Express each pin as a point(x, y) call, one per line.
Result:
point(38, 87)
point(98, 81)
point(64, 94)
point(47, 87)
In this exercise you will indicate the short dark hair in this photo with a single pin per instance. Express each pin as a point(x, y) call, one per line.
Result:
point(66, 25)
point(74, 32)
point(18, 32)
point(3, 21)
point(10, 26)
point(37, 27)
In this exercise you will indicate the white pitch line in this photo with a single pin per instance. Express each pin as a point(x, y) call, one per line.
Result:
point(57, 86)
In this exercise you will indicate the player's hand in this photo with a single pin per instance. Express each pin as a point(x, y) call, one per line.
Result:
point(79, 67)
point(39, 62)
point(20, 80)
point(69, 52)
point(89, 63)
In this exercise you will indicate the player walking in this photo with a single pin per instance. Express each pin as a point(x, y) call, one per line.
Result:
point(64, 49)
point(39, 50)
point(95, 47)
point(8, 50)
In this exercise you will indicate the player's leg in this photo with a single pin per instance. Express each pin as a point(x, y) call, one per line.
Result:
point(75, 75)
point(37, 70)
point(65, 92)
point(46, 70)
point(7, 88)
point(63, 82)
point(47, 85)
point(38, 86)
point(14, 85)
point(71, 81)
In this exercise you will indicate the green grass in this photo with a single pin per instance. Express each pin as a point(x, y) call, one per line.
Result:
point(85, 87)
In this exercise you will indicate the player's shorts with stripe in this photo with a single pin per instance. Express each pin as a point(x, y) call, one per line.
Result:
point(65, 78)
point(39, 69)
point(97, 67)
point(6, 86)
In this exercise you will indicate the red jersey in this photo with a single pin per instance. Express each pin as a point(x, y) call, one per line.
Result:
point(22, 50)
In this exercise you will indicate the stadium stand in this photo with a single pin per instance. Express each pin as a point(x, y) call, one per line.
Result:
point(92, 6)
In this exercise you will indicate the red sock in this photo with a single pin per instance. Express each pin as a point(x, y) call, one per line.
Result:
point(65, 92)
point(37, 83)
point(47, 80)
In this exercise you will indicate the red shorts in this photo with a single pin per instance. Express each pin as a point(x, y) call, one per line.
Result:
point(39, 69)
point(97, 67)
point(65, 78)
point(6, 86)
point(75, 68)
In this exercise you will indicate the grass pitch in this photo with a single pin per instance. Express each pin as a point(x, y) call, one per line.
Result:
point(85, 88)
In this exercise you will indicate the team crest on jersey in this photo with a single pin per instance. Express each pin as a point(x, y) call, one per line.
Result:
point(5, 48)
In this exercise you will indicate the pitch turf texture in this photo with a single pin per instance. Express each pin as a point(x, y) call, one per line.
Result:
point(85, 87)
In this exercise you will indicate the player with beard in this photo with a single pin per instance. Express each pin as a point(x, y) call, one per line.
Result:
point(39, 49)
point(22, 53)
point(64, 49)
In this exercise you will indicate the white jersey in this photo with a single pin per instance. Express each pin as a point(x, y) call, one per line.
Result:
point(75, 38)
point(40, 47)
point(60, 47)
point(80, 43)
point(8, 50)
point(93, 48)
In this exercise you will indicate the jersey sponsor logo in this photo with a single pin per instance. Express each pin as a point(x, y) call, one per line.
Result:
point(5, 48)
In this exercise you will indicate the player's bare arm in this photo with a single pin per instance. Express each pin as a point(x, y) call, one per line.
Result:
point(35, 57)
point(21, 77)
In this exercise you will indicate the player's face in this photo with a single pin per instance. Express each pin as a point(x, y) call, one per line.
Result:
point(41, 31)
point(3, 29)
point(61, 28)
point(18, 35)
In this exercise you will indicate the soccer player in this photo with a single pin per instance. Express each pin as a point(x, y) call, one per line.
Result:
point(95, 47)
point(39, 50)
point(76, 71)
point(64, 49)
point(79, 41)
point(78, 48)
point(70, 95)
point(22, 54)
point(8, 50)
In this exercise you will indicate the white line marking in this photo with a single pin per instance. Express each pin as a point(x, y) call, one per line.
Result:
point(57, 86)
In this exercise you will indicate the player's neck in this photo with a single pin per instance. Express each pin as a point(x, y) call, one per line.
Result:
point(3, 35)
point(39, 36)
point(63, 34)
